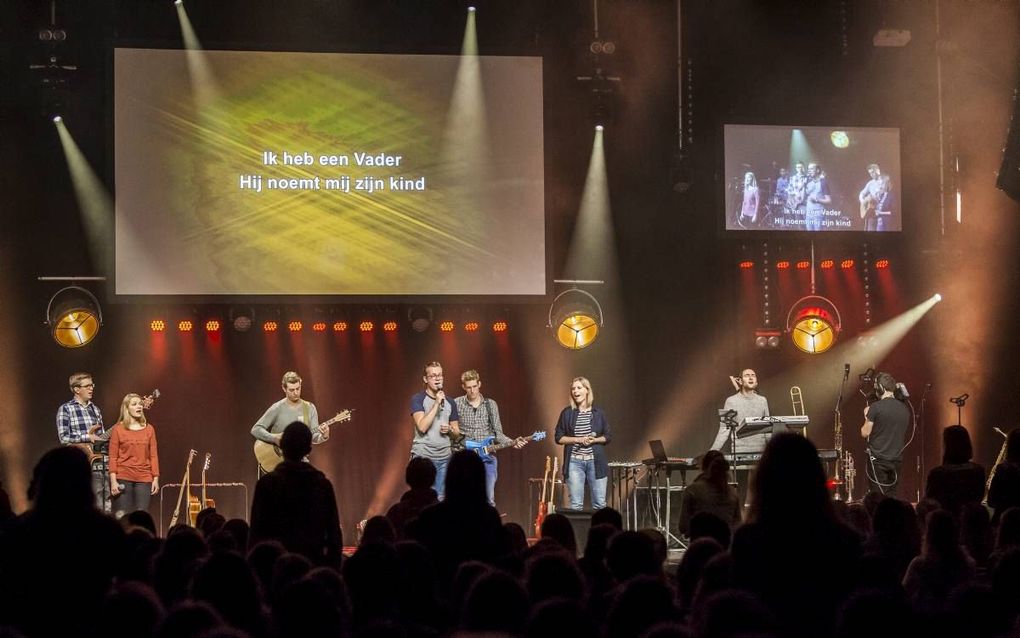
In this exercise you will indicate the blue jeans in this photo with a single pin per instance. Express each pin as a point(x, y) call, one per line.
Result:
point(440, 484)
point(491, 472)
point(577, 473)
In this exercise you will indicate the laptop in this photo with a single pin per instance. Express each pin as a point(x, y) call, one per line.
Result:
point(658, 451)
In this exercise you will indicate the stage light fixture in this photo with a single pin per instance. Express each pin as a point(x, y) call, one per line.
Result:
point(846, 264)
point(600, 128)
point(212, 325)
point(813, 323)
point(185, 325)
point(471, 9)
point(803, 264)
point(420, 318)
point(389, 319)
point(500, 326)
point(446, 326)
point(366, 326)
point(782, 265)
point(471, 326)
point(157, 325)
point(937, 297)
point(576, 318)
point(340, 326)
point(767, 338)
point(319, 326)
point(270, 326)
point(73, 316)
point(242, 318)
point(295, 326)
point(827, 264)
point(499, 320)
point(840, 139)
point(57, 119)
point(746, 264)
point(881, 264)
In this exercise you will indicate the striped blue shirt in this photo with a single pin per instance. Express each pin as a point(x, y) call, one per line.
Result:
point(582, 428)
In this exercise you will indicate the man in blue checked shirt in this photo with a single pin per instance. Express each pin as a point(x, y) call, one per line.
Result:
point(79, 422)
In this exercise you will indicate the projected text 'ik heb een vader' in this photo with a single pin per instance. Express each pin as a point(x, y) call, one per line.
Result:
point(343, 183)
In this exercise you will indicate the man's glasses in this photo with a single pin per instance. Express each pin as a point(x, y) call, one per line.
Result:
point(433, 375)
point(89, 386)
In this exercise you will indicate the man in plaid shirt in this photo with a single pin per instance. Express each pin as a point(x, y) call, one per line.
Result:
point(479, 420)
point(75, 419)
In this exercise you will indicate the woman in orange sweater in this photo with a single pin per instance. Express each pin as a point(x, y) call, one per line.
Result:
point(134, 460)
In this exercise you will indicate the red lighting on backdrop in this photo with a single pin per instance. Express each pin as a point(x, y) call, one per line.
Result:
point(446, 326)
point(319, 326)
point(212, 326)
point(846, 264)
point(157, 325)
point(471, 326)
point(882, 263)
point(747, 264)
point(500, 326)
point(270, 326)
point(339, 326)
point(827, 264)
point(366, 326)
point(185, 326)
point(295, 326)
point(803, 264)
point(390, 326)
point(782, 265)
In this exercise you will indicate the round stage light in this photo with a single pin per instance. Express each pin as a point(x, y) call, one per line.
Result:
point(339, 326)
point(937, 297)
point(420, 318)
point(157, 325)
point(576, 319)
point(319, 326)
point(74, 317)
point(389, 326)
point(840, 139)
point(813, 323)
point(446, 326)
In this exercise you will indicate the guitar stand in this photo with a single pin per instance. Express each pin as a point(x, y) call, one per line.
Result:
point(663, 527)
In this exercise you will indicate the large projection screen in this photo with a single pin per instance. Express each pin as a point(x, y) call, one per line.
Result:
point(269, 173)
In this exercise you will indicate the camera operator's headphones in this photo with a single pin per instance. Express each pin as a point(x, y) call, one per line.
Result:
point(884, 382)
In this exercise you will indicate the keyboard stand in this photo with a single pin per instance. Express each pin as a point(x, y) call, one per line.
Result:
point(657, 472)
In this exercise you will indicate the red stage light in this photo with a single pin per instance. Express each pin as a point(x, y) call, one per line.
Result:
point(366, 326)
point(471, 326)
point(319, 326)
point(185, 326)
point(269, 326)
point(446, 326)
point(389, 326)
point(827, 264)
point(212, 325)
point(846, 264)
point(747, 264)
point(340, 326)
point(882, 263)
point(295, 326)
point(500, 326)
point(803, 264)
point(157, 325)
point(782, 265)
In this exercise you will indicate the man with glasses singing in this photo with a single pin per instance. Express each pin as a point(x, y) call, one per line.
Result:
point(80, 423)
point(435, 421)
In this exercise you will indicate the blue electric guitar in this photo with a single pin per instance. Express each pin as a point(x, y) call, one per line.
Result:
point(487, 448)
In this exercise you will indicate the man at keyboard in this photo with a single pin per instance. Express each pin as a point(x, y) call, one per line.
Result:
point(747, 404)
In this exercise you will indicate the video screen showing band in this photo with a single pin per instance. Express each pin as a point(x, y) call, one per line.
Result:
point(269, 173)
point(814, 179)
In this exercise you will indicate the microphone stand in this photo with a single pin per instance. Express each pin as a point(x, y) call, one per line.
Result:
point(920, 452)
point(838, 434)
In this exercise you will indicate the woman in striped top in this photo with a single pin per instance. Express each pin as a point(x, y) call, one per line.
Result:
point(583, 431)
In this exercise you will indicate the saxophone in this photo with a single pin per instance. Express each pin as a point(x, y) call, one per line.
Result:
point(991, 474)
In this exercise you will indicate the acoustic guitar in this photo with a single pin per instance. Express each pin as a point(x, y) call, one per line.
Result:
point(184, 486)
point(269, 455)
point(542, 506)
point(196, 505)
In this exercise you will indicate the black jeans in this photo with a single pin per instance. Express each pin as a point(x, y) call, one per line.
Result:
point(884, 476)
point(134, 496)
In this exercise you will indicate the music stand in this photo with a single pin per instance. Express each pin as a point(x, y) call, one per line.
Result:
point(662, 461)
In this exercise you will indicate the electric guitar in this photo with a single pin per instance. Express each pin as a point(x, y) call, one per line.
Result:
point(269, 455)
point(542, 507)
point(486, 448)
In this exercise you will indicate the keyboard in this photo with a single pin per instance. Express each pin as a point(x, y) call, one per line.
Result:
point(625, 464)
point(748, 458)
point(673, 462)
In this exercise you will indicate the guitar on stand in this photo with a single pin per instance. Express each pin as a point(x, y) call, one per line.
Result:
point(487, 447)
point(542, 507)
point(184, 486)
point(269, 455)
point(194, 504)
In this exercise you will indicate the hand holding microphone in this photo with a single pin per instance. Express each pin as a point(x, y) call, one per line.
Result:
point(444, 428)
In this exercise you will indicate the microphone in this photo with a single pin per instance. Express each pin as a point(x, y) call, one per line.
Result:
point(443, 400)
point(903, 390)
point(960, 400)
point(846, 371)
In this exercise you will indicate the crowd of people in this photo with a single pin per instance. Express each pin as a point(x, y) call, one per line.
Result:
point(799, 564)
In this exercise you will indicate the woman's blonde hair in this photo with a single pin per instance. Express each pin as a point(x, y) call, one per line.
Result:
point(125, 418)
point(587, 386)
